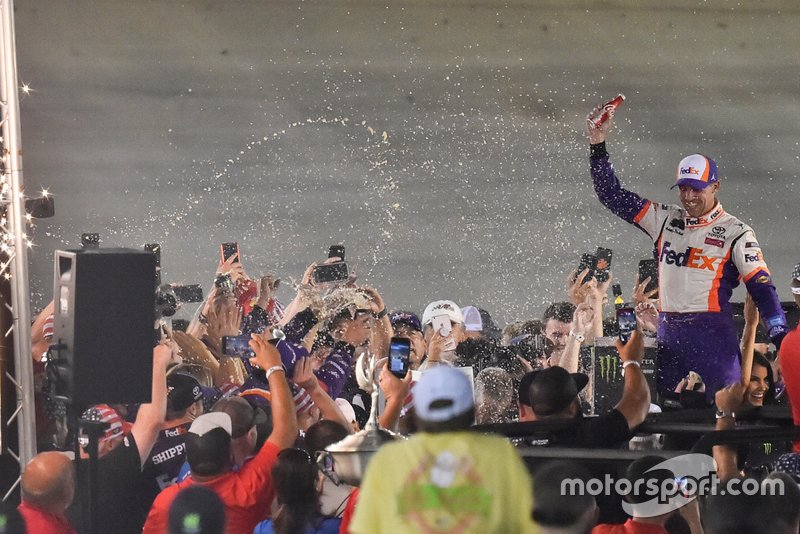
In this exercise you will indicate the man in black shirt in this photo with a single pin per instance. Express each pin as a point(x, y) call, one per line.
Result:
point(118, 484)
point(552, 394)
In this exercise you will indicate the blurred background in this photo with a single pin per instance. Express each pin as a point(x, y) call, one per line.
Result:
point(442, 142)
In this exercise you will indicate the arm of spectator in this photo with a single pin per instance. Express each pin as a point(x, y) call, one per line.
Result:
point(195, 351)
point(39, 344)
point(224, 318)
point(382, 332)
point(304, 377)
point(150, 416)
point(597, 300)
point(635, 401)
point(581, 324)
point(691, 513)
point(263, 312)
point(576, 286)
point(647, 316)
point(639, 293)
point(728, 400)
point(336, 369)
point(300, 302)
point(748, 337)
point(284, 418)
point(395, 390)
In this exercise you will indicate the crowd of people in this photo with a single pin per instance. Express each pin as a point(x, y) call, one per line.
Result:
point(230, 441)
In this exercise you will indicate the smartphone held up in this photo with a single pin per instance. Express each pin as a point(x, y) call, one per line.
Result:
point(626, 320)
point(399, 356)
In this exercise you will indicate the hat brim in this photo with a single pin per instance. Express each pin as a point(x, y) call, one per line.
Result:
point(694, 184)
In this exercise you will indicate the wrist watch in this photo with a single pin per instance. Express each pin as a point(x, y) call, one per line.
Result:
point(630, 362)
point(722, 413)
point(580, 337)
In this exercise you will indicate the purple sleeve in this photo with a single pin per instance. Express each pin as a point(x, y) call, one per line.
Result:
point(762, 289)
point(335, 371)
point(623, 203)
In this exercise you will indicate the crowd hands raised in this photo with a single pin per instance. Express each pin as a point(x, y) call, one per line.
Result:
point(229, 442)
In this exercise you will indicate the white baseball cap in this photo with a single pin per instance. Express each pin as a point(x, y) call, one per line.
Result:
point(438, 308)
point(209, 421)
point(442, 393)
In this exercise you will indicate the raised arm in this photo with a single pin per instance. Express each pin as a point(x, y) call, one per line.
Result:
point(748, 338)
point(150, 416)
point(304, 377)
point(728, 400)
point(635, 401)
point(284, 419)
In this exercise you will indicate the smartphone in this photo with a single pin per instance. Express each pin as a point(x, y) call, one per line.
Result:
point(587, 262)
point(229, 250)
point(90, 240)
point(331, 272)
point(626, 320)
point(399, 354)
point(238, 346)
point(649, 268)
point(602, 264)
point(191, 293)
point(155, 248)
point(336, 251)
point(443, 325)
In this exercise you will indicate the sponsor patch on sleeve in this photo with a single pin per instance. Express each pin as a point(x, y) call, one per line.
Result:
point(751, 244)
point(763, 279)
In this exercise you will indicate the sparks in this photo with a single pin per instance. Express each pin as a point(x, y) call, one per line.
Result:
point(26, 88)
point(45, 193)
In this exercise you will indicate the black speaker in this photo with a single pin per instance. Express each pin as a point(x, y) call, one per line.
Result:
point(104, 322)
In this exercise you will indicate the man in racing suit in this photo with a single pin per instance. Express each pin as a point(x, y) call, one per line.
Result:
point(703, 252)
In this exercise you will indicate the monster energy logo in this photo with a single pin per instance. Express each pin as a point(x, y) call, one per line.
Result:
point(767, 448)
point(608, 367)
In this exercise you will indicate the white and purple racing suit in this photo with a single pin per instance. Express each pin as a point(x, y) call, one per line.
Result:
point(700, 261)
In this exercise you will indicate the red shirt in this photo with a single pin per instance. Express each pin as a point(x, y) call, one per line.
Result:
point(42, 521)
point(789, 358)
point(349, 511)
point(247, 495)
point(629, 527)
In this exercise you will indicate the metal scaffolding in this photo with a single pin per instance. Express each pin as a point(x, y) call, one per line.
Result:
point(14, 243)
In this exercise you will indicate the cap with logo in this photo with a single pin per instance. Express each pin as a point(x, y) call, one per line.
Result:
point(696, 171)
point(405, 318)
point(442, 393)
point(182, 391)
point(103, 413)
point(438, 308)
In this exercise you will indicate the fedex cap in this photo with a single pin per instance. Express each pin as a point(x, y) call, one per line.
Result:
point(697, 171)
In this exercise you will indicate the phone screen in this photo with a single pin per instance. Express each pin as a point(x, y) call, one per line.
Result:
point(626, 319)
point(331, 272)
point(238, 346)
point(192, 293)
point(602, 264)
point(649, 268)
point(229, 250)
point(399, 352)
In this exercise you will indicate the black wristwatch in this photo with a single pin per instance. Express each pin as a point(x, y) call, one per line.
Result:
point(381, 314)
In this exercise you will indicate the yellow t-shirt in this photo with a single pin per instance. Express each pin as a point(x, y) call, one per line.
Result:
point(450, 482)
